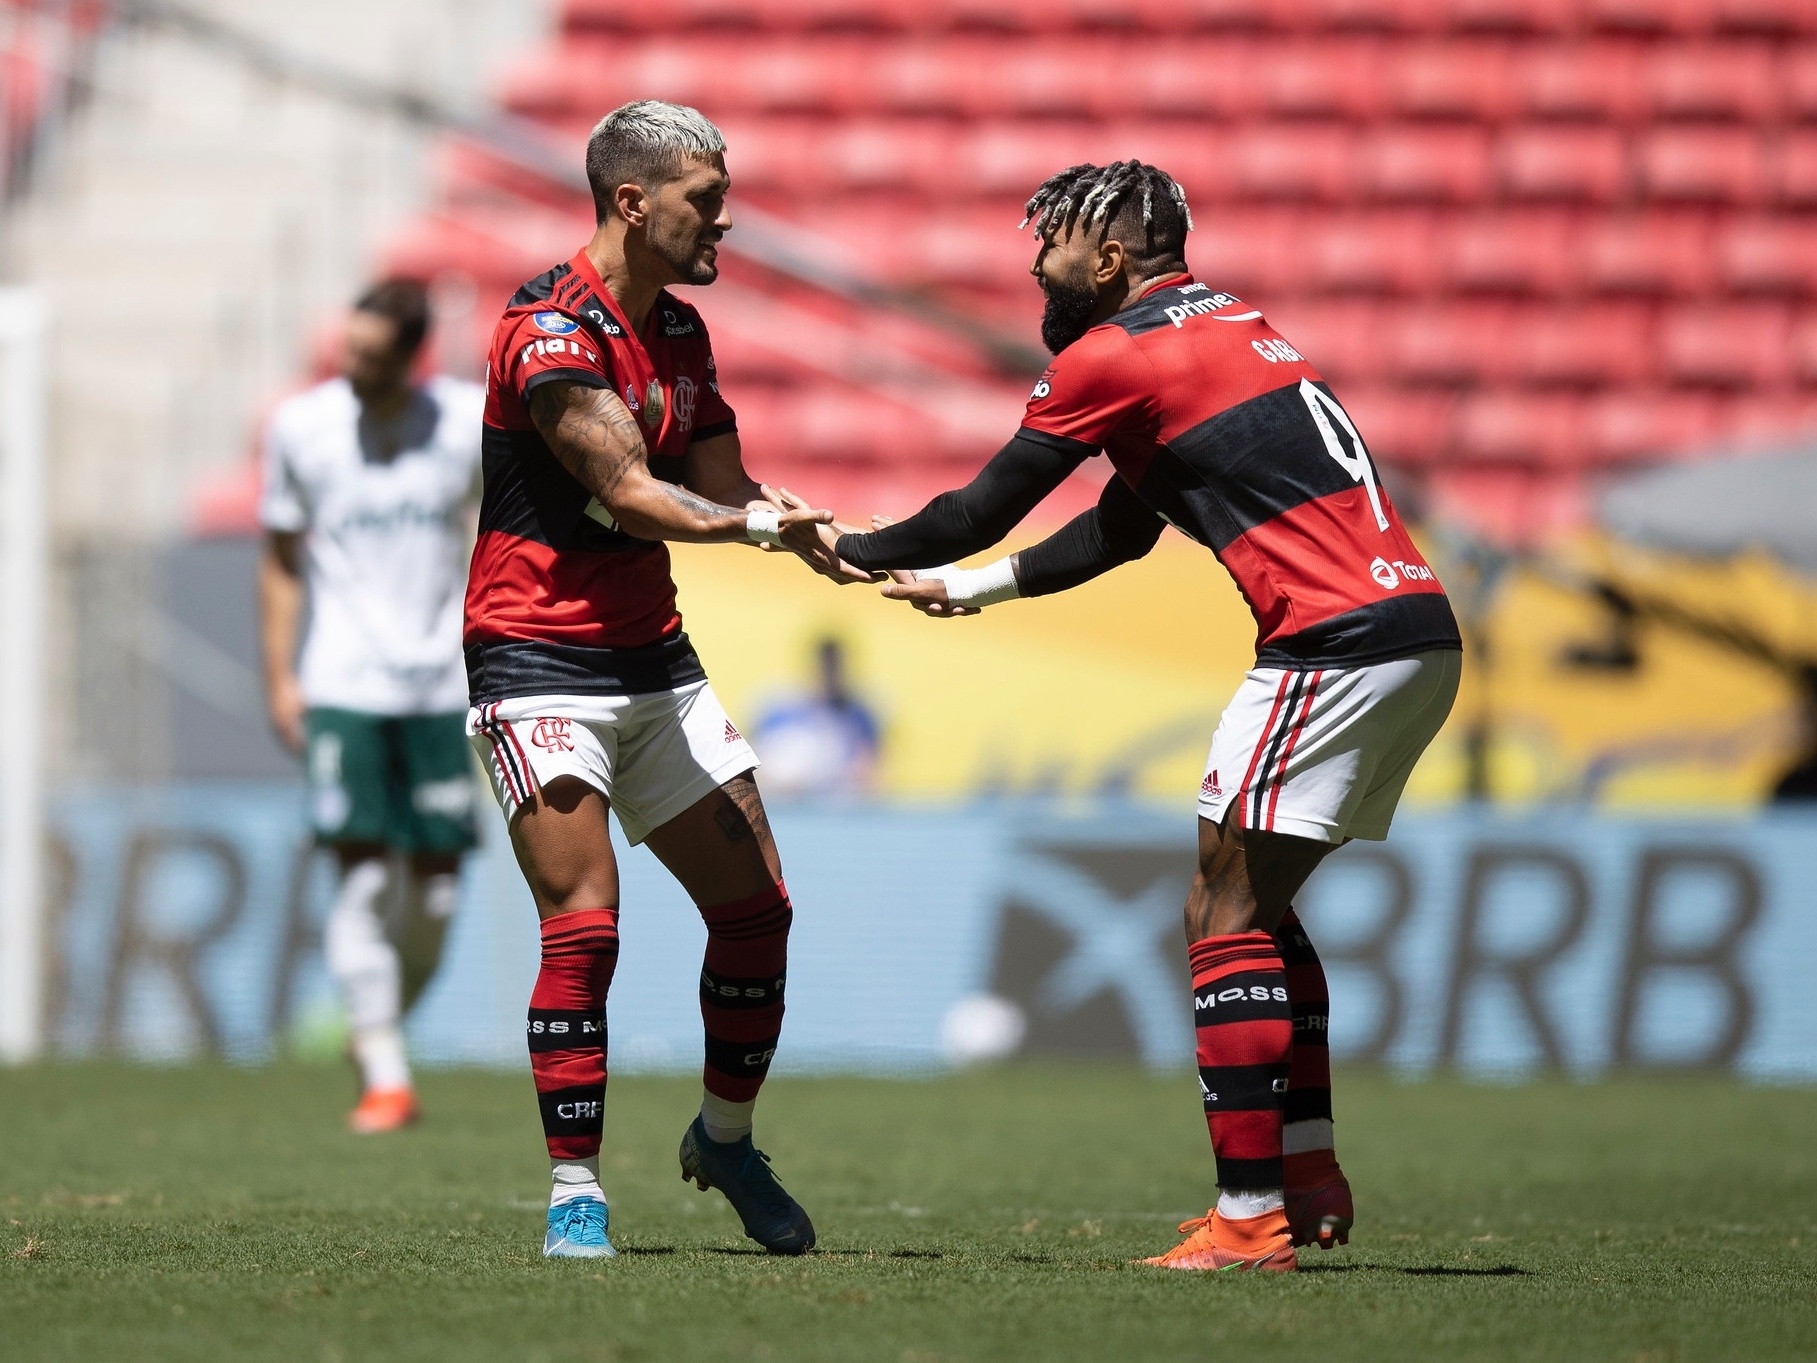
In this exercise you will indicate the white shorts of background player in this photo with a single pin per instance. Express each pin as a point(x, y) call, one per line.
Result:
point(1326, 753)
point(652, 755)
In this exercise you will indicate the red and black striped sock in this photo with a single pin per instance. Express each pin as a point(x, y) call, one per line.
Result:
point(741, 989)
point(567, 1029)
point(1309, 1081)
point(1245, 1032)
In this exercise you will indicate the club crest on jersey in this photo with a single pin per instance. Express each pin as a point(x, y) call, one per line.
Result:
point(555, 323)
point(684, 402)
point(653, 405)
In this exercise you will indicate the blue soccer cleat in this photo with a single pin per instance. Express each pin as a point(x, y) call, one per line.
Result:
point(742, 1172)
point(577, 1230)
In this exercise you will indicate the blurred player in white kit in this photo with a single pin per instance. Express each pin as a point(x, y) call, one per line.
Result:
point(367, 483)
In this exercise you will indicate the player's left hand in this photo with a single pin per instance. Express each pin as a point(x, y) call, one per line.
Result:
point(925, 594)
point(814, 541)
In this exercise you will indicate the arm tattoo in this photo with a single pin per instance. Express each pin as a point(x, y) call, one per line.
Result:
point(590, 432)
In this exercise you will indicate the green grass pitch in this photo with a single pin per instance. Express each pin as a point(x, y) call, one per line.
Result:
point(202, 1214)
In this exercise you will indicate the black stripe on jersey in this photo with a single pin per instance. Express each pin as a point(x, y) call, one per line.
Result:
point(542, 288)
point(504, 669)
point(1394, 627)
point(585, 377)
point(1245, 466)
point(530, 495)
point(726, 427)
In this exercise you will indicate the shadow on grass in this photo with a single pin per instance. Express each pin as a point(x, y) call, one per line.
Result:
point(1431, 1271)
point(742, 1252)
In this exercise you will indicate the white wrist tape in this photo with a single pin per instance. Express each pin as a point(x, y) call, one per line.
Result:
point(984, 586)
point(760, 525)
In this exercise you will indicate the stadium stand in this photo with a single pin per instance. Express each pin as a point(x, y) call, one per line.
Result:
point(1527, 239)
point(43, 45)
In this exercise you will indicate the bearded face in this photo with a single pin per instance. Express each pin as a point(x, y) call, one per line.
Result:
point(687, 218)
point(1070, 302)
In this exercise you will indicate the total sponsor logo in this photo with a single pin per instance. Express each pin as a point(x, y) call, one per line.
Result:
point(1390, 574)
point(1256, 993)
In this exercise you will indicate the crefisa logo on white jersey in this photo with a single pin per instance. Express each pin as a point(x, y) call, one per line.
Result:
point(554, 323)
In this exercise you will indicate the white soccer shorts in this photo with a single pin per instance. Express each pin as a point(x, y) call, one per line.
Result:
point(1325, 754)
point(652, 756)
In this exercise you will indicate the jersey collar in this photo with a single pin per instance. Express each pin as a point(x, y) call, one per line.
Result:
point(590, 277)
point(1166, 281)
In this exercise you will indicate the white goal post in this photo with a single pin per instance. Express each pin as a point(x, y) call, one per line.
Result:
point(24, 574)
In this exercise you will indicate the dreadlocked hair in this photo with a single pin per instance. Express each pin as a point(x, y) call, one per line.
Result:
point(1102, 196)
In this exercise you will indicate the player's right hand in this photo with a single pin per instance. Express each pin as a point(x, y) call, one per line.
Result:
point(285, 706)
point(816, 539)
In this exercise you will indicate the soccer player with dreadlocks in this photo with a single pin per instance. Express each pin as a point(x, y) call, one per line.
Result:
point(1217, 426)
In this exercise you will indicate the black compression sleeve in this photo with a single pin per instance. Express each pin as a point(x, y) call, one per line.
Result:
point(976, 516)
point(1118, 529)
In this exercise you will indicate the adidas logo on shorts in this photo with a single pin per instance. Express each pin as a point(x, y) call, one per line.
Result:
point(1209, 786)
point(732, 734)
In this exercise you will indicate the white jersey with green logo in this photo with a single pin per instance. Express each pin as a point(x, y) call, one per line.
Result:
point(381, 508)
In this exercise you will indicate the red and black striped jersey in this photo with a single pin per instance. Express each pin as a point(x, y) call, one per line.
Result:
point(1229, 434)
point(559, 599)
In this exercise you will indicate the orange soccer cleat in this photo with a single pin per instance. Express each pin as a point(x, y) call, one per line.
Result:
point(1215, 1245)
point(1318, 1200)
point(383, 1110)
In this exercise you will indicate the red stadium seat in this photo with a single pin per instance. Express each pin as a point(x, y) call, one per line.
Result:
point(1255, 254)
point(1804, 349)
point(1521, 253)
point(1505, 16)
point(1798, 68)
point(1594, 80)
point(1767, 255)
point(1648, 16)
point(1726, 80)
point(1653, 253)
point(1013, 158)
point(1764, 419)
point(1640, 423)
point(1290, 161)
point(1702, 165)
point(1451, 80)
point(1196, 78)
point(1740, 345)
point(1330, 79)
point(1409, 428)
point(1343, 339)
point(1776, 17)
point(1457, 344)
point(1795, 174)
point(1502, 426)
point(1381, 253)
point(1581, 347)
point(1070, 76)
point(921, 75)
point(1403, 163)
point(1562, 163)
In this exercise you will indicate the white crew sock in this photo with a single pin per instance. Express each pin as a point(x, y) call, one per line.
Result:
point(1313, 1134)
point(1240, 1204)
point(380, 1053)
point(725, 1121)
point(572, 1178)
point(365, 967)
